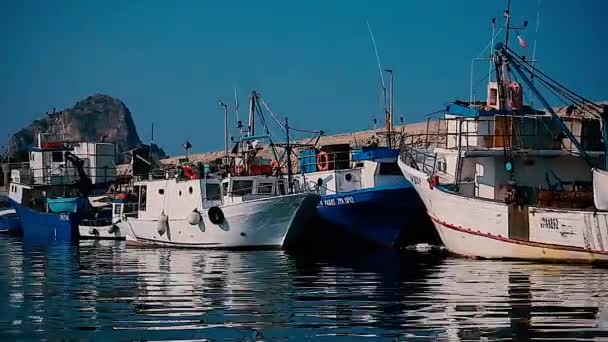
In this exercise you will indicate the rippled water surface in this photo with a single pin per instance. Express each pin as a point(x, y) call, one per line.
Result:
point(106, 291)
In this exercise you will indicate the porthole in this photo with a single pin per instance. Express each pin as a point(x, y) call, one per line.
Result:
point(179, 193)
point(348, 177)
point(190, 190)
point(161, 191)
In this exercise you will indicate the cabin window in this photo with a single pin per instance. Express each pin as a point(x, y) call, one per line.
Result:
point(389, 169)
point(213, 192)
point(225, 187)
point(265, 188)
point(190, 190)
point(179, 193)
point(142, 198)
point(282, 187)
point(117, 209)
point(57, 157)
point(161, 191)
point(242, 187)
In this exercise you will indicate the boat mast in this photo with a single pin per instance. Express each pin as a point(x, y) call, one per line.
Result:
point(288, 152)
point(391, 108)
point(225, 106)
point(252, 106)
point(507, 14)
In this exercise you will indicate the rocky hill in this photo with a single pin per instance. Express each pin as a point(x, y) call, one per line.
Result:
point(98, 117)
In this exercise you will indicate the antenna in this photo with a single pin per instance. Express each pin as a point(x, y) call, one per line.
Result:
point(225, 106)
point(236, 104)
point(534, 47)
point(369, 28)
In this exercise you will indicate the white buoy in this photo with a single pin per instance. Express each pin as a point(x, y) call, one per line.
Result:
point(163, 224)
point(194, 218)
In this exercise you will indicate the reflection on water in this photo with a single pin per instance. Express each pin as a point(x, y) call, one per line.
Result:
point(104, 291)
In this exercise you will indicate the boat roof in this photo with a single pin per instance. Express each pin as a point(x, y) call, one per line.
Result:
point(461, 108)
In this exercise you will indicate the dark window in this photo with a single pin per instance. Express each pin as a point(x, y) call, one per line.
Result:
point(117, 209)
point(265, 189)
point(389, 169)
point(57, 157)
point(282, 187)
point(161, 191)
point(213, 192)
point(190, 190)
point(142, 198)
point(242, 187)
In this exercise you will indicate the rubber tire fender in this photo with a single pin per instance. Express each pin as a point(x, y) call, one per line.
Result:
point(216, 215)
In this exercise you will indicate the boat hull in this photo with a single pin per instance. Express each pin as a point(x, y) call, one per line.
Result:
point(261, 223)
point(101, 232)
point(9, 222)
point(42, 228)
point(377, 215)
point(480, 228)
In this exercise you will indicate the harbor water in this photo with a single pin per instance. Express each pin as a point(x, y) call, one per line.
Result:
point(106, 291)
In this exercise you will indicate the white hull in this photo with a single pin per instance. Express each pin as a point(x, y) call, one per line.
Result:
point(256, 223)
point(474, 227)
point(109, 232)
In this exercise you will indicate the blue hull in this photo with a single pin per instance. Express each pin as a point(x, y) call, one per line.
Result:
point(45, 228)
point(376, 215)
point(10, 225)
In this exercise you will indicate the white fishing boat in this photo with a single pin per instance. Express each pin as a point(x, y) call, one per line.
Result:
point(104, 222)
point(246, 202)
point(502, 180)
point(234, 212)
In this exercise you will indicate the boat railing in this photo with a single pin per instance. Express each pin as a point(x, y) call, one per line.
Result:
point(525, 132)
point(338, 160)
point(62, 175)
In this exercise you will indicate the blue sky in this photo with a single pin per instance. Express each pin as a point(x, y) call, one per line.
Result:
point(312, 61)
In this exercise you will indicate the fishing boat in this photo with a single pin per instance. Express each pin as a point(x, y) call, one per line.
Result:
point(502, 180)
point(51, 196)
point(364, 194)
point(102, 222)
point(242, 203)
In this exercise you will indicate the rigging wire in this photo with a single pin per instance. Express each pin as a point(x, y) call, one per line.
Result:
point(520, 61)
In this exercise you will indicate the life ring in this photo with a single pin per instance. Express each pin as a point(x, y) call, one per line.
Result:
point(323, 161)
point(189, 172)
point(216, 215)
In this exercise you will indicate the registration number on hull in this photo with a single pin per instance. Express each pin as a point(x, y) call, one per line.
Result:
point(332, 202)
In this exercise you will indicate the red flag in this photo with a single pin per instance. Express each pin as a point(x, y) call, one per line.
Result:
point(522, 42)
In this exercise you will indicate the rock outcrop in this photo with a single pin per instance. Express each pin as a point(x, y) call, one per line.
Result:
point(96, 118)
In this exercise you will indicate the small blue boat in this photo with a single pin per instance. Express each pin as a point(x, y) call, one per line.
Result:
point(363, 191)
point(44, 227)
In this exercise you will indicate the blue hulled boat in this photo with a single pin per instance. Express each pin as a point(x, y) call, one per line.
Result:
point(363, 192)
point(50, 198)
point(44, 227)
